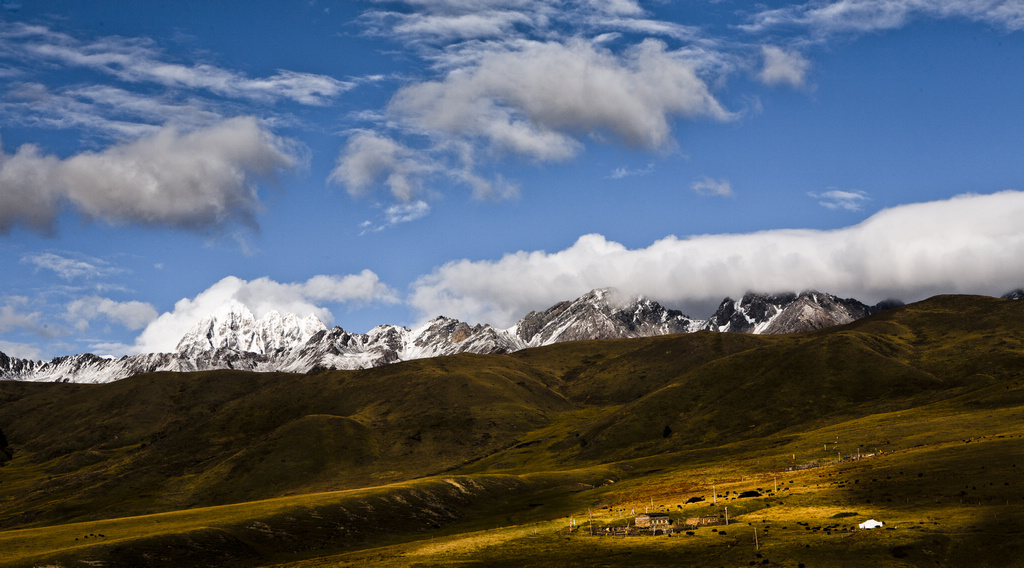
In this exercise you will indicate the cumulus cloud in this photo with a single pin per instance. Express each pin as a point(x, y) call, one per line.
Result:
point(261, 296)
point(970, 243)
point(708, 186)
point(840, 199)
point(200, 179)
point(29, 194)
point(371, 158)
point(535, 100)
point(783, 67)
point(131, 314)
point(863, 16)
point(528, 79)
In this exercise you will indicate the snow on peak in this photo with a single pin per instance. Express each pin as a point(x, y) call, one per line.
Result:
point(232, 326)
point(231, 337)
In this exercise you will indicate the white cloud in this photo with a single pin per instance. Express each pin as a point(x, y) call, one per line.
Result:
point(70, 268)
point(708, 186)
point(131, 314)
point(528, 79)
point(840, 199)
point(28, 190)
point(624, 172)
point(199, 180)
point(970, 244)
point(139, 60)
point(445, 22)
point(648, 27)
point(407, 212)
point(618, 7)
point(539, 100)
point(864, 16)
point(20, 350)
point(14, 316)
point(398, 214)
point(371, 158)
point(415, 27)
point(11, 317)
point(535, 100)
point(115, 112)
point(261, 296)
point(783, 67)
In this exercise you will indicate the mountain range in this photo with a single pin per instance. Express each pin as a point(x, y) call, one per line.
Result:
point(232, 338)
point(489, 460)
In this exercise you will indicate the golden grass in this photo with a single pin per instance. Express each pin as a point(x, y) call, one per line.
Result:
point(506, 449)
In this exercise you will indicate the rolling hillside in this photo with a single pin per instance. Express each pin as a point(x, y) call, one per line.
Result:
point(252, 469)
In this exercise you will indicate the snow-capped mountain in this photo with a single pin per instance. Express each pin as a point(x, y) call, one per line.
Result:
point(601, 314)
point(234, 327)
point(232, 338)
point(789, 313)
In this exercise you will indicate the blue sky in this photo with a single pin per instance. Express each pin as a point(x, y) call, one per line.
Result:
point(390, 161)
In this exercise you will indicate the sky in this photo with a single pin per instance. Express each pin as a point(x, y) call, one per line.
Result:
point(386, 162)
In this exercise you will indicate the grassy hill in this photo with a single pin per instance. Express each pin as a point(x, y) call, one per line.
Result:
point(482, 460)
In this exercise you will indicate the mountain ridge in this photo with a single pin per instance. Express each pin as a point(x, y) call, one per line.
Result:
point(232, 338)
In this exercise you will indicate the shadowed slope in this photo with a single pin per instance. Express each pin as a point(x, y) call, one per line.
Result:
point(549, 417)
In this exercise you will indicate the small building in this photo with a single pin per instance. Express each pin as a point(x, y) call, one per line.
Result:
point(870, 524)
point(701, 521)
point(653, 520)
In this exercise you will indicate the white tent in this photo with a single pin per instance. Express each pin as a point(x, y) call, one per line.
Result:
point(870, 524)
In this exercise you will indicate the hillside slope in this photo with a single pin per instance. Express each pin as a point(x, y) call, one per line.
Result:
point(551, 417)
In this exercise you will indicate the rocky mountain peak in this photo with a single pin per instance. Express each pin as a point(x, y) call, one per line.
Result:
point(233, 327)
point(1017, 294)
point(601, 314)
point(224, 328)
point(786, 312)
point(232, 338)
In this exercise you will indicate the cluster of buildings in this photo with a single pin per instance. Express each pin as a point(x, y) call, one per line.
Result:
point(656, 524)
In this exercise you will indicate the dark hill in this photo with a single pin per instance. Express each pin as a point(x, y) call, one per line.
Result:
point(546, 417)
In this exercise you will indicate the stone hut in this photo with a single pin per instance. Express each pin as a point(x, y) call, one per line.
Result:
point(701, 521)
point(653, 520)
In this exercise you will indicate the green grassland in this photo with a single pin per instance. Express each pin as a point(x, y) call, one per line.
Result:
point(483, 460)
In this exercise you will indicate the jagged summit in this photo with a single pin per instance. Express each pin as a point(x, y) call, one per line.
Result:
point(232, 338)
point(789, 312)
point(1017, 294)
point(601, 314)
point(234, 327)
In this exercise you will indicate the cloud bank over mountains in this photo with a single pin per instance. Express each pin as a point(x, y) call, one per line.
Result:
point(261, 296)
point(969, 244)
point(694, 120)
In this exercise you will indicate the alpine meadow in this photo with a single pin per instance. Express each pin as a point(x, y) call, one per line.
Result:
point(512, 283)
